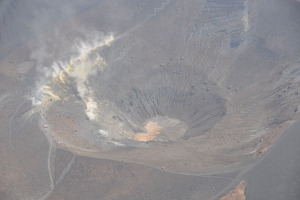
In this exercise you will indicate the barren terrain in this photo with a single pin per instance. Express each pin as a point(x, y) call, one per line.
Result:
point(152, 99)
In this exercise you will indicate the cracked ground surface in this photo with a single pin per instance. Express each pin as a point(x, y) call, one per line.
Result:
point(152, 99)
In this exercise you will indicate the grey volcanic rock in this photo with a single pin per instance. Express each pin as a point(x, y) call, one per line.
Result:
point(151, 99)
point(180, 92)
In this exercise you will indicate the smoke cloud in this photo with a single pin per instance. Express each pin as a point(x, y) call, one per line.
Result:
point(84, 63)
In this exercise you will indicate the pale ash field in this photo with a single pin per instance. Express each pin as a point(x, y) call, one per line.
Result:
point(192, 92)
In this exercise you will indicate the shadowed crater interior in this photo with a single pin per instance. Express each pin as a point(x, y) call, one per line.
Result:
point(180, 99)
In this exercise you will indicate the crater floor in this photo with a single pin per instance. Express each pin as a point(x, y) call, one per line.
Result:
point(192, 91)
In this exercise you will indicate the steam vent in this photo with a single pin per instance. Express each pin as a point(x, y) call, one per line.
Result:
point(191, 87)
point(159, 88)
